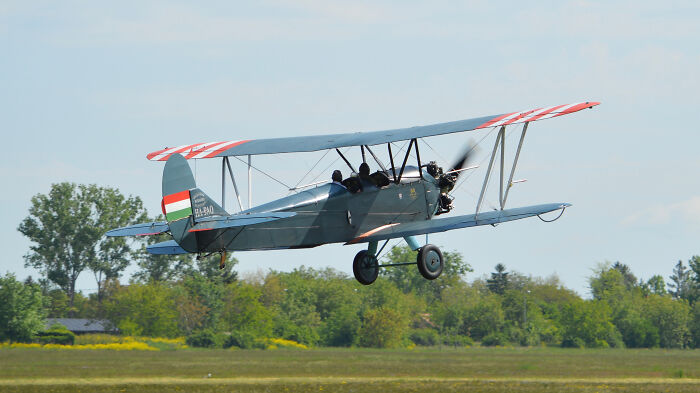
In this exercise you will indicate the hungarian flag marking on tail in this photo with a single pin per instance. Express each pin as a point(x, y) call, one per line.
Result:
point(177, 206)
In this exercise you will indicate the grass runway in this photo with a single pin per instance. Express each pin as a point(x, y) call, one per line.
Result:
point(351, 370)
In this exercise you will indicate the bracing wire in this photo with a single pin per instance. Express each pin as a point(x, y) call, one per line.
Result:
point(261, 171)
point(322, 171)
point(328, 166)
point(311, 169)
point(434, 151)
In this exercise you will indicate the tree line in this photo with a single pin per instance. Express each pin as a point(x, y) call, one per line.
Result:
point(173, 296)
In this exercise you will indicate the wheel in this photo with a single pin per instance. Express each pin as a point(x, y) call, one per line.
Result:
point(430, 262)
point(365, 267)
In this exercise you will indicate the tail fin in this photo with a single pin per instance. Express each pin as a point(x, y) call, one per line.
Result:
point(182, 200)
point(177, 176)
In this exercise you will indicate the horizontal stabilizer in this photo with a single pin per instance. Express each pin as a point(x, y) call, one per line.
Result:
point(169, 247)
point(148, 228)
point(391, 231)
point(238, 220)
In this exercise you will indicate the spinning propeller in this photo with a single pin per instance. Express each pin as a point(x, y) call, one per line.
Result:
point(447, 180)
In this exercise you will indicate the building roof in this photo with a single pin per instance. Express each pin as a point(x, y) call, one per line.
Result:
point(81, 325)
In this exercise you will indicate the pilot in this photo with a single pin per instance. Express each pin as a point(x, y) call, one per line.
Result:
point(337, 178)
point(364, 171)
point(364, 174)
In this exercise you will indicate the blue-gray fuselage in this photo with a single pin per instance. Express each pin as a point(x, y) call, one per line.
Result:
point(326, 214)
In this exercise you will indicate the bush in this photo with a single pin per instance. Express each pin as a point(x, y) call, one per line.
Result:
point(203, 339)
point(97, 338)
point(495, 339)
point(243, 340)
point(573, 342)
point(457, 340)
point(57, 334)
point(425, 337)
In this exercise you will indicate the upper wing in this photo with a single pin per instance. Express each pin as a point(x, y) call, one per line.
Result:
point(392, 231)
point(323, 142)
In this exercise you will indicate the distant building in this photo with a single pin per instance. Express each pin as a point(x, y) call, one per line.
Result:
point(83, 326)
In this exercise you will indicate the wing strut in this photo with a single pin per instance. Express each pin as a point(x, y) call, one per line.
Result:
point(250, 183)
point(420, 172)
point(515, 163)
point(224, 164)
point(403, 166)
point(235, 186)
point(346, 161)
point(391, 159)
point(500, 144)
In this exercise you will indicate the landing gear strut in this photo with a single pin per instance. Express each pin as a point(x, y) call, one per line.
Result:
point(430, 262)
point(365, 267)
point(222, 262)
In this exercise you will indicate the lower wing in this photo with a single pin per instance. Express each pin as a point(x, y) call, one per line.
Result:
point(391, 231)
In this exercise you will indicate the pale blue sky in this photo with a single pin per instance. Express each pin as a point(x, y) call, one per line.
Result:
point(87, 89)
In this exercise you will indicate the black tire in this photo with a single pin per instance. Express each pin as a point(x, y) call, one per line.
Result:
point(365, 267)
point(430, 262)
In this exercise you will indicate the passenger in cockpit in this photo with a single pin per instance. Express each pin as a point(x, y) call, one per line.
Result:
point(337, 178)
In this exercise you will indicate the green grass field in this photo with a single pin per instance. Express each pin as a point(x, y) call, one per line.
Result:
point(351, 370)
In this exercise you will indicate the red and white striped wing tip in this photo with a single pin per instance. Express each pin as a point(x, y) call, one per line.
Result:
point(537, 114)
point(195, 150)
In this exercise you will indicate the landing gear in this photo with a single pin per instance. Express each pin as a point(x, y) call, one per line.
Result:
point(222, 262)
point(430, 262)
point(365, 267)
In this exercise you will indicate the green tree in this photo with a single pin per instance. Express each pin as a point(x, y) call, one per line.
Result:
point(694, 264)
point(671, 318)
point(694, 284)
point(628, 278)
point(607, 283)
point(616, 286)
point(209, 268)
point(342, 326)
point(203, 292)
point(499, 280)
point(694, 325)
point(244, 312)
point(112, 210)
point(589, 324)
point(382, 328)
point(57, 306)
point(681, 285)
point(656, 285)
point(21, 311)
point(143, 309)
point(161, 267)
point(192, 314)
point(295, 316)
point(636, 328)
point(66, 228)
point(483, 317)
point(338, 305)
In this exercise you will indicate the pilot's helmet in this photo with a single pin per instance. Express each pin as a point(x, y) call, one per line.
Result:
point(337, 176)
point(364, 169)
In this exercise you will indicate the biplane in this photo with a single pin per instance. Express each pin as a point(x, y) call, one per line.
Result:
point(396, 201)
